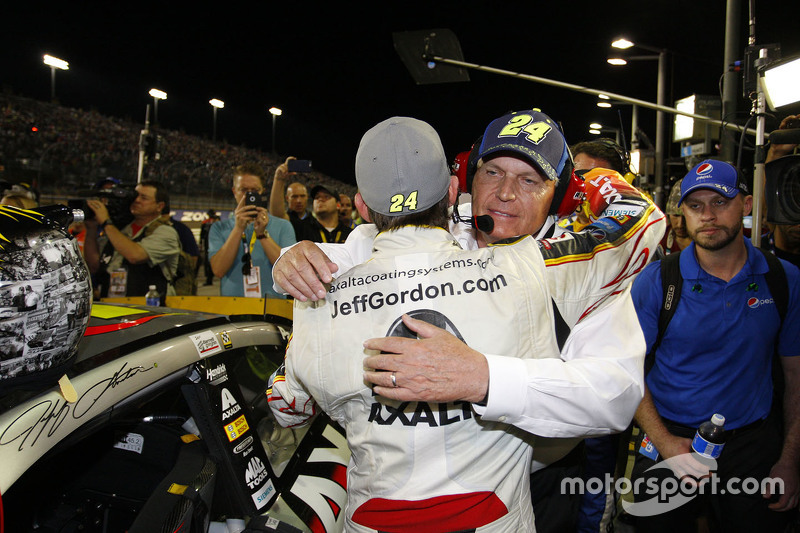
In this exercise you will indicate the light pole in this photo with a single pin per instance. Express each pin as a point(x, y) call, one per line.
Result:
point(157, 95)
point(54, 63)
point(216, 104)
point(275, 113)
point(661, 98)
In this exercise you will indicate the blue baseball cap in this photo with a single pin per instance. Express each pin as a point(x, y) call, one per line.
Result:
point(717, 176)
point(530, 134)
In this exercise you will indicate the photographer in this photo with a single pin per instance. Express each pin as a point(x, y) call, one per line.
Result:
point(243, 248)
point(143, 253)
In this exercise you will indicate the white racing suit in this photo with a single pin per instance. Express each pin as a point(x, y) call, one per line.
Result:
point(419, 466)
point(598, 383)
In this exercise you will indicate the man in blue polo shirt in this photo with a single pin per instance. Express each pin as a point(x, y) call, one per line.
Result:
point(242, 249)
point(716, 357)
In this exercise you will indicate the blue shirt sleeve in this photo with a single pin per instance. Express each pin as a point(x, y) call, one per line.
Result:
point(789, 337)
point(216, 238)
point(646, 293)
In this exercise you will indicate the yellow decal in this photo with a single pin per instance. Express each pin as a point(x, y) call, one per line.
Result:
point(237, 428)
point(111, 311)
point(522, 123)
point(398, 201)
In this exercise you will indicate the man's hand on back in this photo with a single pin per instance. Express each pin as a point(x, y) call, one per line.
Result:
point(437, 367)
point(302, 270)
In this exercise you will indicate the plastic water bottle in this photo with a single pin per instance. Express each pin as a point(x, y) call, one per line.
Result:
point(710, 437)
point(152, 298)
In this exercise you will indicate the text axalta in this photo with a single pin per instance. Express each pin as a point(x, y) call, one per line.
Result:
point(359, 281)
point(360, 303)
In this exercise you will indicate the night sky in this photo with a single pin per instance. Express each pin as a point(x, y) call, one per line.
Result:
point(333, 69)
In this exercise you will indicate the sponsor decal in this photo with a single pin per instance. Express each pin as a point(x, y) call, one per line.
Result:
point(704, 169)
point(262, 497)
point(255, 473)
point(244, 444)
point(225, 337)
point(237, 428)
point(218, 374)
point(206, 343)
point(229, 405)
point(622, 212)
point(133, 442)
point(754, 302)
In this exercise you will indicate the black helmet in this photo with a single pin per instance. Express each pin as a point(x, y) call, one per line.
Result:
point(45, 295)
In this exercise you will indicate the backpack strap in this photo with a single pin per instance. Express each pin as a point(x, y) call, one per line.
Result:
point(671, 284)
point(777, 283)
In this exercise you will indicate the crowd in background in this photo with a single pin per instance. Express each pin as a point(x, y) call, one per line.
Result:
point(63, 150)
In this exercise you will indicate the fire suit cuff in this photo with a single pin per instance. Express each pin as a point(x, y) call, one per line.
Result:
point(507, 385)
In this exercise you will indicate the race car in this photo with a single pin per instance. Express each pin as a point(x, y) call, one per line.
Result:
point(121, 417)
point(168, 397)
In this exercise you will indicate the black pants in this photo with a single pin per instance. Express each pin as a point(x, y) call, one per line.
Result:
point(750, 453)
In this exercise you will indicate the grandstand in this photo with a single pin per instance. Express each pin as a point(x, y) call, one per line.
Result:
point(62, 151)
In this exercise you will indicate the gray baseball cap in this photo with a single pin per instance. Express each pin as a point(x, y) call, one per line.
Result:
point(401, 167)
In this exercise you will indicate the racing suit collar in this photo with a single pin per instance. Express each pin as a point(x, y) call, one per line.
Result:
point(417, 238)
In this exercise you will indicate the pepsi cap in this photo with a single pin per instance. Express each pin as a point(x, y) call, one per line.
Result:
point(530, 134)
point(401, 167)
point(715, 175)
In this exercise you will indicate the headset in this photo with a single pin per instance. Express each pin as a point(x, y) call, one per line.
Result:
point(622, 153)
point(568, 195)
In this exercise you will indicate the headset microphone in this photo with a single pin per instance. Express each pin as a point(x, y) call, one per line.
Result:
point(484, 223)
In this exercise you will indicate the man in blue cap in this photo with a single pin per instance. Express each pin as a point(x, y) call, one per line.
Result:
point(715, 356)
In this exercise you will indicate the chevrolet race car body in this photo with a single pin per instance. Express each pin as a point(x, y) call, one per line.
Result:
point(148, 381)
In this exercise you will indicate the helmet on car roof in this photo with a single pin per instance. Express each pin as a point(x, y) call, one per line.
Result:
point(45, 296)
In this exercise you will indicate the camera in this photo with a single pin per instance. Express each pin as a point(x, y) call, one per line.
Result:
point(252, 198)
point(782, 190)
point(118, 201)
point(299, 165)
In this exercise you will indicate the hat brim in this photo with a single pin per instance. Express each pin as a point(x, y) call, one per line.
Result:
point(529, 155)
point(727, 192)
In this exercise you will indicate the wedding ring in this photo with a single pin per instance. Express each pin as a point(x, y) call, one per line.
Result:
point(394, 380)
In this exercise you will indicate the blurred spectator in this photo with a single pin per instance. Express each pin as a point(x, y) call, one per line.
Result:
point(296, 198)
point(20, 195)
point(186, 275)
point(346, 211)
point(676, 238)
point(327, 226)
point(243, 248)
point(603, 153)
point(204, 231)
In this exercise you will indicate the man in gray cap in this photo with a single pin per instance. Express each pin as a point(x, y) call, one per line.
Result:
point(415, 464)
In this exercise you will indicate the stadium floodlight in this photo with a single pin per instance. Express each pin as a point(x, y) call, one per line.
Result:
point(54, 63)
point(157, 95)
point(216, 104)
point(276, 112)
point(622, 43)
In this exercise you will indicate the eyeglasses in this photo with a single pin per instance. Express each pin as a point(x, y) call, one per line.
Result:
point(246, 264)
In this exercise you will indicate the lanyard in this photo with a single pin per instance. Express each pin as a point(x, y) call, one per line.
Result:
point(248, 254)
point(325, 238)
